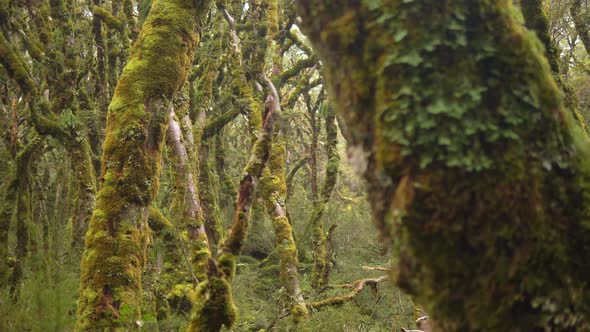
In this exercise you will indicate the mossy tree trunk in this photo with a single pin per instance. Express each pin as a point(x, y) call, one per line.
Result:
point(537, 21)
point(8, 204)
point(321, 245)
point(214, 307)
point(21, 189)
point(208, 93)
point(580, 18)
point(274, 194)
point(477, 177)
point(228, 188)
point(136, 126)
point(188, 203)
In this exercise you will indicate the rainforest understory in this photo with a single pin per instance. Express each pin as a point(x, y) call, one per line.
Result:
point(295, 165)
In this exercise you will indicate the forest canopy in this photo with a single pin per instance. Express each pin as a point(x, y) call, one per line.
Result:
point(294, 165)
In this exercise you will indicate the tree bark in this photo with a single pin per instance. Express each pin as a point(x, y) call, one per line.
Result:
point(214, 307)
point(321, 245)
point(476, 175)
point(137, 120)
point(537, 21)
point(274, 194)
point(580, 18)
point(188, 192)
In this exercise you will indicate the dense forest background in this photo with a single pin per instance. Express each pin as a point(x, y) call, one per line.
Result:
point(247, 130)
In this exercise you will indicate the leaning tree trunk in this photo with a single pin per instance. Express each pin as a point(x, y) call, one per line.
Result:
point(477, 176)
point(136, 126)
point(580, 18)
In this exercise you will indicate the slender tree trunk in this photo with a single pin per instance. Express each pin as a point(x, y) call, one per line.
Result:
point(136, 126)
point(228, 188)
point(187, 185)
point(23, 211)
point(212, 217)
point(321, 243)
point(274, 193)
point(313, 151)
point(214, 307)
point(472, 164)
point(6, 214)
point(80, 155)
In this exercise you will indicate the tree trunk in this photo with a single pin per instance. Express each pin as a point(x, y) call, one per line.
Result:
point(189, 193)
point(214, 307)
point(136, 126)
point(472, 164)
point(321, 245)
point(274, 193)
point(580, 18)
point(537, 21)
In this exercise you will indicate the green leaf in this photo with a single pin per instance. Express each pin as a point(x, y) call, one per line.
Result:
point(400, 34)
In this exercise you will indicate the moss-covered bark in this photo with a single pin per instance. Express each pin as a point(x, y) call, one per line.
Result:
point(580, 18)
point(321, 245)
point(170, 284)
point(187, 206)
point(23, 207)
point(212, 217)
point(80, 155)
point(477, 176)
point(274, 194)
point(537, 21)
point(136, 125)
point(228, 188)
point(213, 307)
point(356, 287)
point(8, 204)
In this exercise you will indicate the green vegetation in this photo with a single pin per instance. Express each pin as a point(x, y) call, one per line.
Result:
point(277, 165)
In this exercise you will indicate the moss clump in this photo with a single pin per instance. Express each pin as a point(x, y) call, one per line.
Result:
point(213, 306)
point(16, 67)
point(180, 297)
point(107, 17)
point(300, 313)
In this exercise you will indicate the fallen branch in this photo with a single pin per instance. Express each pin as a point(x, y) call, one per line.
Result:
point(357, 286)
point(376, 268)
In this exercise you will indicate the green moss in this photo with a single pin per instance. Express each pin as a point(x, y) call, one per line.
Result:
point(299, 313)
point(137, 120)
point(537, 21)
point(180, 297)
point(213, 306)
point(274, 192)
point(107, 17)
point(16, 68)
point(227, 264)
point(209, 201)
point(475, 171)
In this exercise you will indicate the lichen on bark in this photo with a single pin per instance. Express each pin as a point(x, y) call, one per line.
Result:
point(476, 174)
